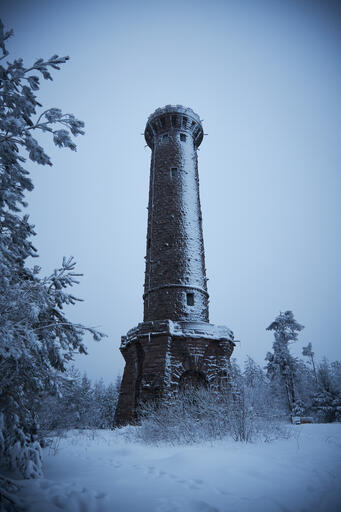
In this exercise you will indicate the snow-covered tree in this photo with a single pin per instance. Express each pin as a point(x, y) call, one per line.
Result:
point(37, 339)
point(258, 389)
point(325, 387)
point(57, 410)
point(104, 402)
point(79, 404)
point(281, 365)
point(336, 375)
point(327, 399)
point(253, 374)
point(308, 352)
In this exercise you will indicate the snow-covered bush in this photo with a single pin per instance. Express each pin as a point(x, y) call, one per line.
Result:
point(206, 414)
point(190, 417)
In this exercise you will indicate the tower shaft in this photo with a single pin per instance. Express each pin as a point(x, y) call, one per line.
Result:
point(175, 279)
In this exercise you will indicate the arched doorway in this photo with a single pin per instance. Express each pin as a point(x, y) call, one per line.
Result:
point(192, 379)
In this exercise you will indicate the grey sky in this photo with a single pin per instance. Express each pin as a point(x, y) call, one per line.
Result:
point(265, 78)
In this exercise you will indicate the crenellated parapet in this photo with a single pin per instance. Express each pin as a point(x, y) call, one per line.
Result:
point(173, 118)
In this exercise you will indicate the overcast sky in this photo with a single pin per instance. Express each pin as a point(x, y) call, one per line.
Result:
point(265, 77)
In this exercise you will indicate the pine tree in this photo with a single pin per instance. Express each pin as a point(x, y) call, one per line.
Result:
point(336, 375)
point(327, 399)
point(37, 339)
point(79, 404)
point(308, 352)
point(104, 403)
point(282, 366)
point(58, 411)
point(110, 402)
point(84, 404)
point(254, 376)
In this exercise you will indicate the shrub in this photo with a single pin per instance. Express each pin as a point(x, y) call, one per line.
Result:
point(207, 414)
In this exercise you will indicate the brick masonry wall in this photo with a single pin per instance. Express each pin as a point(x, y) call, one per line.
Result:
point(175, 260)
point(157, 362)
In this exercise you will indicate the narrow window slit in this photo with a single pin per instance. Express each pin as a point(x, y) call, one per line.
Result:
point(190, 299)
point(174, 172)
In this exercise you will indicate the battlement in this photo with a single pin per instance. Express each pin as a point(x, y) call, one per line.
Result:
point(174, 118)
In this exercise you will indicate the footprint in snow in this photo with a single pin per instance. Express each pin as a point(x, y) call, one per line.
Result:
point(151, 470)
point(194, 484)
point(115, 463)
point(223, 492)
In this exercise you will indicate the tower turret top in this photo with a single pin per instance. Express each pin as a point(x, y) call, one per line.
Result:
point(173, 117)
point(176, 109)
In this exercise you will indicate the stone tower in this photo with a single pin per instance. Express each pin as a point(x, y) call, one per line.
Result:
point(175, 344)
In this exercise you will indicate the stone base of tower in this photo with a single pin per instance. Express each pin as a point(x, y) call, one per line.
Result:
point(161, 356)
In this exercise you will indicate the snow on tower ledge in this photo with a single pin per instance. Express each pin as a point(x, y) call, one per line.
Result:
point(180, 330)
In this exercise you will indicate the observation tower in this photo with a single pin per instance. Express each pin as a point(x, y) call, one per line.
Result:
point(175, 345)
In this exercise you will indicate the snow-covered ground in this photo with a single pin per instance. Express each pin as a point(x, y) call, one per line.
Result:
point(100, 471)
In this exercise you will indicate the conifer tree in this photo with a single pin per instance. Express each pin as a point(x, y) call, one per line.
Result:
point(308, 352)
point(253, 374)
point(37, 339)
point(327, 399)
point(281, 365)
